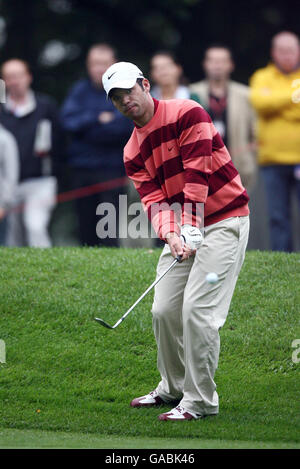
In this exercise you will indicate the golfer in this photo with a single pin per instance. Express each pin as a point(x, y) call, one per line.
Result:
point(175, 155)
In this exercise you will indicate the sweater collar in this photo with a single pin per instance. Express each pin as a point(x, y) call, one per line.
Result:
point(156, 103)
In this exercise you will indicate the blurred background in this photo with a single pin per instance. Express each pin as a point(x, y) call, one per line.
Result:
point(54, 36)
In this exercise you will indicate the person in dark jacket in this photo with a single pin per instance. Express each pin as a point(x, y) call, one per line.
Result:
point(98, 134)
point(32, 118)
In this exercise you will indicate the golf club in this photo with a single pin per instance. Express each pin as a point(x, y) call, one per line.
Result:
point(105, 324)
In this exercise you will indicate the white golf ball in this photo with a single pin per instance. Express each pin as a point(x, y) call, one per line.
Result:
point(212, 277)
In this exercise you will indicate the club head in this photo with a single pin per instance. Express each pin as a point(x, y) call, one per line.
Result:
point(103, 323)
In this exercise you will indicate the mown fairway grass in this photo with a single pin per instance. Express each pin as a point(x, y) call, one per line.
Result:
point(65, 373)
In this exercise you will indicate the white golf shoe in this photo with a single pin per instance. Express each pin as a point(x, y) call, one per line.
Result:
point(151, 399)
point(179, 413)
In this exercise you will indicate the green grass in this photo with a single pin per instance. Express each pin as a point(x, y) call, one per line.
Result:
point(11, 438)
point(65, 373)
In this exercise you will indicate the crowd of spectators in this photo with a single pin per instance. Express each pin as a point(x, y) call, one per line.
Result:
point(258, 122)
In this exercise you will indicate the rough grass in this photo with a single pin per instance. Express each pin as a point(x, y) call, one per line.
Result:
point(64, 372)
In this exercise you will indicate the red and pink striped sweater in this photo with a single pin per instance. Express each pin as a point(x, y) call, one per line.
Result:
point(178, 156)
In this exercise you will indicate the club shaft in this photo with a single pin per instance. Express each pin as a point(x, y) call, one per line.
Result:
point(147, 291)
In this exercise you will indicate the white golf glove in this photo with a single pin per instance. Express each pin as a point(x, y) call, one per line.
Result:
point(192, 236)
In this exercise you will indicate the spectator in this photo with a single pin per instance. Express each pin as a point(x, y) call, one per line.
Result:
point(167, 75)
point(9, 173)
point(98, 134)
point(228, 104)
point(32, 118)
point(278, 134)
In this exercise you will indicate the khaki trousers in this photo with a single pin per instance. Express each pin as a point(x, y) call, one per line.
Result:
point(188, 313)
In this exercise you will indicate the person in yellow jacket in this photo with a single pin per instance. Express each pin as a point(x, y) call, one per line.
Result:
point(275, 96)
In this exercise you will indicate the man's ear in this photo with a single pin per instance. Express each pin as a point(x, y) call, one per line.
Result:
point(146, 85)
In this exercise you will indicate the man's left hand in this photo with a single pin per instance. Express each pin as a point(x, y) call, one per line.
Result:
point(178, 246)
point(192, 236)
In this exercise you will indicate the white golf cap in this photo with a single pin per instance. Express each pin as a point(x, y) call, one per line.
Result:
point(121, 75)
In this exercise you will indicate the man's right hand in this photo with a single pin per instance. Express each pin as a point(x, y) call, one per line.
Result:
point(2, 213)
point(177, 247)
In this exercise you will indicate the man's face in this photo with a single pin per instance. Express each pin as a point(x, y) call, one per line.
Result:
point(133, 102)
point(17, 78)
point(98, 62)
point(286, 53)
point(218, 64)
